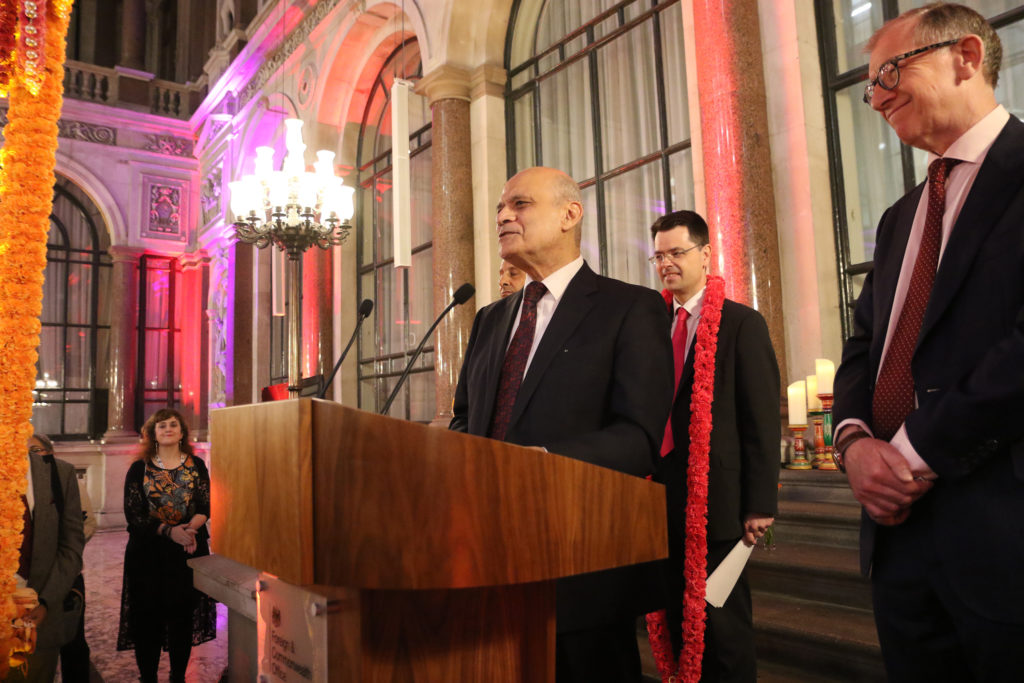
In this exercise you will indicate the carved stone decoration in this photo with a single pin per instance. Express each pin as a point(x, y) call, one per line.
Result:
point(210, 194)
point(168, 144)
point(220, 277)
point(307, 83)
point(273, 62)
point(165, 209)
point(87, 132)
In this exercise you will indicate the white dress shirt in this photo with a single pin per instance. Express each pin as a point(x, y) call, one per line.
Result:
point(556, 284)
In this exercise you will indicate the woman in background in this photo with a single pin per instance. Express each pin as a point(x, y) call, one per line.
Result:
point(167, 504)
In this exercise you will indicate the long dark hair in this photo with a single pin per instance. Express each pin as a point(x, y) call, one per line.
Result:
point(149, 444)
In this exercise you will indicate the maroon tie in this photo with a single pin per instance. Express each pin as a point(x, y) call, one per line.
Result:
point(514, 367)
point(678, 359)
point(25, 554)
point(894, 391)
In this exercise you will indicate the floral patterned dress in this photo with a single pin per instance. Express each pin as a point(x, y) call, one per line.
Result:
point(156, 577)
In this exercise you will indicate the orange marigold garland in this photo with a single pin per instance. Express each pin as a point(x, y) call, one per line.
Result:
point(8, 29)
point(688, 666)
point(26, 191)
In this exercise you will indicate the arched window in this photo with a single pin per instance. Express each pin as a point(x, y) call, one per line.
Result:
point(403, 298)
point(597, 88)
point(70, 397)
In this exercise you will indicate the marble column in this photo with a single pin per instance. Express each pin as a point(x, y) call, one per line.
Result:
point(317, 321)
point(124, 325)
point(448, 90)
point(133, 34)
point(737, 158)
point(195, 341)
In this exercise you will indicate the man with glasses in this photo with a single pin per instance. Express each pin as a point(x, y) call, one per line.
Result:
point(746, 431)
point(50, 557)
point(930, 393)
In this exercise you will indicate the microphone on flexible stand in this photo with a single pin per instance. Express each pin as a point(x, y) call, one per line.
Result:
point(364, 310)
point(461, 296)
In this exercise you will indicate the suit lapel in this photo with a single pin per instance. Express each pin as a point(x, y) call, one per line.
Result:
point(43, 522)
point(998, 181)
point(574, 306)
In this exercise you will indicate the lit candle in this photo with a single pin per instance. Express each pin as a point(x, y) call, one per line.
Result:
point(797, 395)
point(826, 372)
point(812, 393)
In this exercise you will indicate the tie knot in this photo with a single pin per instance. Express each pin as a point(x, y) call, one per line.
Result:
point(682, 314)
point(534, 291)
point(939, 169)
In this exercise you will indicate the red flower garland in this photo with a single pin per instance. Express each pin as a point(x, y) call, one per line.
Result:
point(696, 548)
point(8, 30)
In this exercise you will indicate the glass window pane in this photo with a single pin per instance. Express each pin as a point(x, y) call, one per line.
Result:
point(422, 396)
point(567, 132)
point(158, 292)
point(1010, 90)
point(46, 418)
point(80, 293)
point(590, 245)
point(54, 289)
point(871, 166)
point(382, 223)
point(76, 418)
point(421, 297)
point(522, 111)
point(855, 21)
point(155, 371)
point(680, 167)
point(50, 366)
point(422, 201)
point(79, 358)
point(629, 102)
point(674, 68)
point(634, 201)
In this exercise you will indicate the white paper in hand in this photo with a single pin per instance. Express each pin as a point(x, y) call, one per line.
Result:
point(725, 576)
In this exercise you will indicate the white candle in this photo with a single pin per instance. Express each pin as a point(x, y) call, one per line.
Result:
point(797, 395)
point(812, 393)
point(826, 372)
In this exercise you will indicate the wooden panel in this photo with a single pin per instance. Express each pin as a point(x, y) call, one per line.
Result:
point(401, 505)
point(262, 491)
point(500, 635)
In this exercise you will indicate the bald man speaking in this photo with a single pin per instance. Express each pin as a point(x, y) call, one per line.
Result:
point(580, 365)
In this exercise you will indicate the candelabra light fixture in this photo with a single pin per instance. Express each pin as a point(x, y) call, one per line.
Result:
point(293, 209)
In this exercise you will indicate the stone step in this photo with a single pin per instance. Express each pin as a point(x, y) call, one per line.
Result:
point(834, 524)
point(807, 571)
point(815, 485)
point(826, 642)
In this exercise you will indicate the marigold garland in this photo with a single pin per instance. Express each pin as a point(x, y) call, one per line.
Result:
point(26, 191)
point(688, 667)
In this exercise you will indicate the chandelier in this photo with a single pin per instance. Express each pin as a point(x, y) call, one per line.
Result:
point(292, 208)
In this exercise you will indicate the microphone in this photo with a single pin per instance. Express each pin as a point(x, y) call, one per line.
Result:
point(461, 296)
point(364, 310)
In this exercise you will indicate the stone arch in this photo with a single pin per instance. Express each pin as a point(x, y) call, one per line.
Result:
point(97, 191)
point(471, 34)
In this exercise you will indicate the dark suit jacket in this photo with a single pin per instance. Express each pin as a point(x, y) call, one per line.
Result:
point(57, 545)
point(743, 474)
point(968, 369)
point(598, 389)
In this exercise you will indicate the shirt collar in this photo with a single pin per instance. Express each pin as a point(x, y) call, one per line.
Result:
point(972, 146)
point(558, 281)
point(693, 305)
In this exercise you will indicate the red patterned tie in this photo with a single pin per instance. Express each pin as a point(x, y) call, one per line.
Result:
point(894, 391)
point(678, 359)
point(514, 367)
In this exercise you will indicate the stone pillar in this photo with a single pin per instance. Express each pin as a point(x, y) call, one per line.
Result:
point(447, 88)
point(124, 345)
point(195, 342)
point(489, 173)
point(133, 34)
point(317, 322)
point(737, 158)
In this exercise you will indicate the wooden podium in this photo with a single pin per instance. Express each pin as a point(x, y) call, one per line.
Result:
point(441, 548)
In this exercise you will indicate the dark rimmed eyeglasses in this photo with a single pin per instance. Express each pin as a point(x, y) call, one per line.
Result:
point(888, 76)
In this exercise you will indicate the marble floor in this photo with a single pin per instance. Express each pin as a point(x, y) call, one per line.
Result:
point(104, 554)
